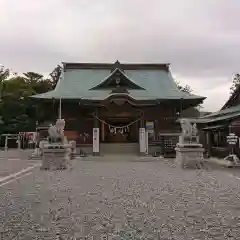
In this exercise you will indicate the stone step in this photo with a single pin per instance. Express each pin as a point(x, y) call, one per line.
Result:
point(34, 158)
point(119, 148)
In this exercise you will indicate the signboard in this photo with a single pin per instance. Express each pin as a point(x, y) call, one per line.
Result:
point(96, 140)
point(150, 127)
point(232, 139)
point(142, 140)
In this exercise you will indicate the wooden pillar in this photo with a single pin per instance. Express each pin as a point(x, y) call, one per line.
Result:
point(156, 129)
point(96, 125)
point(96, 121)
point(137, 125)
point(209, 142)
point(6, 143)
point(142, 125)
point(53, 116)
point(19, 142)
point(60, 109)
point(102, 132)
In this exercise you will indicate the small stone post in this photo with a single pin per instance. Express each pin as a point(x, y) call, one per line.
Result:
point(6, 144)
point(19, 141)
point(142, 141)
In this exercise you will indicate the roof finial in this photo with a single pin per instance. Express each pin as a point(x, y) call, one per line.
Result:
point(117, 64)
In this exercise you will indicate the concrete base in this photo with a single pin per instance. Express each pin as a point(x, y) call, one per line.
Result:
point(143, 154)
point(73, 149)
point(96, 153)
point(189, 157)
point(55, 159)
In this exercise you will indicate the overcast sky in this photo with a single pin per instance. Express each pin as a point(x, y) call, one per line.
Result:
point(200, 38)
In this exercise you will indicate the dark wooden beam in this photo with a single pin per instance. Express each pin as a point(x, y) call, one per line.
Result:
point(124, 66)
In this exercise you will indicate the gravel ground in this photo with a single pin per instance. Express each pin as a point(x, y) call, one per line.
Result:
point(8, 167)
point(13, 161)
point(15, 153)
point(121, 200)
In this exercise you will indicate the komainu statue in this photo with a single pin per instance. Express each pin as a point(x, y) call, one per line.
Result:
point(187, 128)
point(58, 151)
point(56, 132)
point(194, 130)
point(189, 152)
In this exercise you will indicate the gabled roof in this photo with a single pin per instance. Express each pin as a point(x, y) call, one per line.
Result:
point(112, 78)
point(155, 80)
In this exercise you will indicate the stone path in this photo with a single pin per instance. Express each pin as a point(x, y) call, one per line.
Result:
point(147, 200)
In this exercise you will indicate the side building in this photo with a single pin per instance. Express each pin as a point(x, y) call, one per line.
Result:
point(118, 99)
point(216, 127)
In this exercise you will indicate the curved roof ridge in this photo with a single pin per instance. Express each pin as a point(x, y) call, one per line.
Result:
point(111, 74)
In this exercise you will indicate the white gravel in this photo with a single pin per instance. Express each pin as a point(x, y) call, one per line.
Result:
point(122, 200)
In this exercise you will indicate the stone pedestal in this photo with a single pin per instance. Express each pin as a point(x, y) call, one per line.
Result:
point(55, 157)
point(73, 149)
point(189, 155)
point(41, 146)
point(189, 152)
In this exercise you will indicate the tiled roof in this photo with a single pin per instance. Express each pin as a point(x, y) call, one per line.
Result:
point(225, 111)
point(222, 115)
point(157, 84)
point(220, 126)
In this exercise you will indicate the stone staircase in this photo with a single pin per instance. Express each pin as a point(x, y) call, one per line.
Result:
point(119, 149)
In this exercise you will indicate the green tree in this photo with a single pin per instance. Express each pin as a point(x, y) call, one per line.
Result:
point(235, 83)
point(17, 87)
point(15, 104)
point(18, 112)
point(185, 88)
point(38, 83)
point(4, 74)
point(43, 86)
point(55, 75)
point(32, 77)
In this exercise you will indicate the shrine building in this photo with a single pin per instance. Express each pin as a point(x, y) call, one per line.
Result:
point(217, 126)
point(118, 99)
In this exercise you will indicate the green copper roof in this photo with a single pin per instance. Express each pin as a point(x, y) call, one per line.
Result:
point(214, 127)
point(225, 111)
point(222, 115)
point(77, 84)
point(112, 76)
point(222, 118)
